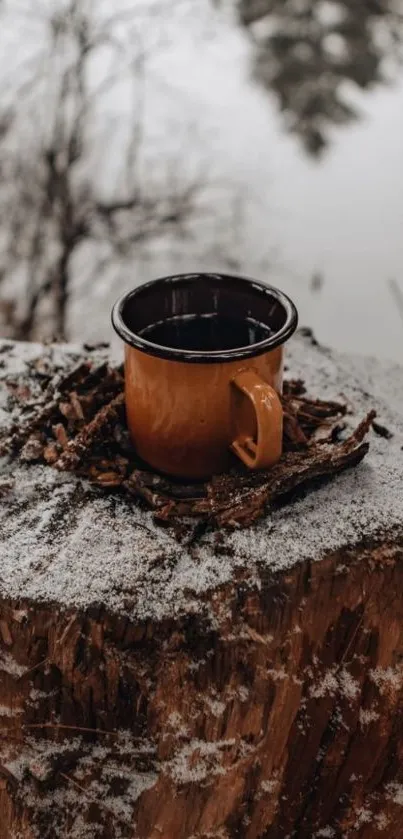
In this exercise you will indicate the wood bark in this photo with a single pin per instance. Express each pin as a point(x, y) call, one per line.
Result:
point(176, 702)
point(284, 720)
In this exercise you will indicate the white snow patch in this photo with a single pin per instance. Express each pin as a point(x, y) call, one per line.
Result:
point(381, 821)
point(93, 780)
point(335, 681)
point(270, 786)
point(243, 693)
point(395, 793)
point(349, 687)
point(9, 665)
point(197, 761)
point(113, 551)
point(217, 707)
point(279, 675)
point(366, 716)
point(6, 711)
point(328, 685)
point(387, 678)
point(364, 816)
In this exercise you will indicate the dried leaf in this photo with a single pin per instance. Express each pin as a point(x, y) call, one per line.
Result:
point(109, 479)
point(99, 427)
point(51, 453)
point(32, 450)
point(67, 410)
point(61, 435)
point(76, 405)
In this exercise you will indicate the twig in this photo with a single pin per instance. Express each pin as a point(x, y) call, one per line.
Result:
point(107, 416)
point(90, 798)
point(35, 667)
point(57, 727)
point(75, 783)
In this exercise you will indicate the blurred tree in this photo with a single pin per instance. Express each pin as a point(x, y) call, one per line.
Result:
point(67, 192)
point(306, 51)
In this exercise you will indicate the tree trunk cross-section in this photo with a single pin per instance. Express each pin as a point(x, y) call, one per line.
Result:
point(249, 685)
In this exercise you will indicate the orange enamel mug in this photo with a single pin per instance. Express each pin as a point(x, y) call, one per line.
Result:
point(203, 371)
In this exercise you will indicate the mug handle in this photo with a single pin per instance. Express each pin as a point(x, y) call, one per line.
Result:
point(266, 450)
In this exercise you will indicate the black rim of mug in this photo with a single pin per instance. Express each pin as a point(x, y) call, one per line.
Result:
point(202, 356)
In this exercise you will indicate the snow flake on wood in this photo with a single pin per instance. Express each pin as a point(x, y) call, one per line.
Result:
point(394, 791)
point(198, 761)
point(77, 789)
point(387, 679)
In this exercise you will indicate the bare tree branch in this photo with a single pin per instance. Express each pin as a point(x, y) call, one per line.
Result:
point(50, 199)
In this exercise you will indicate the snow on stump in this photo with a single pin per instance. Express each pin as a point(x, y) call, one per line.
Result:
point(166, 673)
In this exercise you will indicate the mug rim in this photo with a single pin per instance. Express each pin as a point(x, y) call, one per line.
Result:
point(135, 340)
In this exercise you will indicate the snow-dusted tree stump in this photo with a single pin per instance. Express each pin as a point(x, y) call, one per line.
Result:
point(245, 684)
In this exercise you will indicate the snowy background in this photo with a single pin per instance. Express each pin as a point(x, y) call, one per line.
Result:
point(329, 231)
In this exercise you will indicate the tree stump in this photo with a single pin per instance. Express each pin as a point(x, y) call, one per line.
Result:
point(242, 684)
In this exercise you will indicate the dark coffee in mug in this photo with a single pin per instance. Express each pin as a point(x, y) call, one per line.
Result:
point(203, 371)
point(207, 332)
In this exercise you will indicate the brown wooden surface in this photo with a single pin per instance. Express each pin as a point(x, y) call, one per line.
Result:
point(218, 687)
point(297, 694)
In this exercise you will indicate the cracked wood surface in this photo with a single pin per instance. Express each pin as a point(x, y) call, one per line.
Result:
point(280, 716)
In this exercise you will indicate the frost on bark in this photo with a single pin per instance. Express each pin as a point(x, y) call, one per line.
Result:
point(201, 682)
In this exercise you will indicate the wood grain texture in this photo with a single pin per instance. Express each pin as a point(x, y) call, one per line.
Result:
point(245, 685)
point(280, 717)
